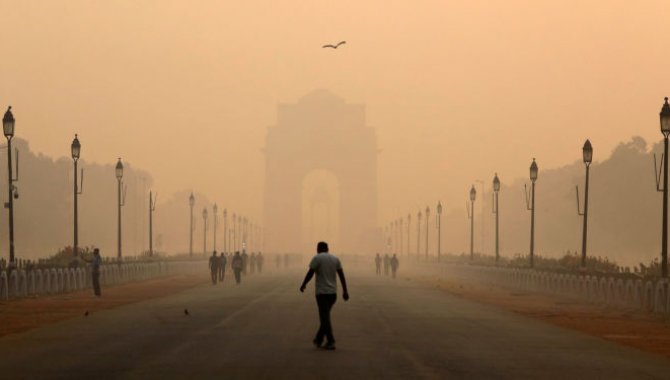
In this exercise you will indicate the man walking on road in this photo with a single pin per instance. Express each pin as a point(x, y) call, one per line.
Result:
point(394, 265)
point(214, 267)
point(222, 266)
point(378, 265)
point(237, 267)
point(96, 262)
point(325, 266)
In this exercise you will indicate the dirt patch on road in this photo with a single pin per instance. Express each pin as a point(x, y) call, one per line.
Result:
point(27, 313)
point(645, 331)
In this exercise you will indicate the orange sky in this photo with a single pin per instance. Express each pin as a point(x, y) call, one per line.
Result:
point(455, 89)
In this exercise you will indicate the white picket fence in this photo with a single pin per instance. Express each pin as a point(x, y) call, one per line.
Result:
point(21, 283)
point(630, 293)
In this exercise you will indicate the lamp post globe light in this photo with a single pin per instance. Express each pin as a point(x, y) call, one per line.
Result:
point(665, 130)
point(119, 181)
point(191, 203)
point(75, 150)
point(8, 123)
point(427, 229)
point(204, 230)
point(439, 230)
point(533, 178)
point(496, 212)
point(473, 196)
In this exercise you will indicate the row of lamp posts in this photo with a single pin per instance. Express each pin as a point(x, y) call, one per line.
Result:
point(235, 238)
point(397, 231)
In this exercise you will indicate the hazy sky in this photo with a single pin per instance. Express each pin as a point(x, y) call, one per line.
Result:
point(455, 89)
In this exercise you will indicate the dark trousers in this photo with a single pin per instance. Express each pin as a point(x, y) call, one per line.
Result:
point(214, 276)
point(238, 275)
point(96, 283)
point(325, 302)
point(222, 273)
point(379, 269)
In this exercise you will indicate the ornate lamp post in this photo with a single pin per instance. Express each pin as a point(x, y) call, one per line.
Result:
point(496, 212)
point(418, 234)
point(75, 150)
point(471, 216)
point(204, 230)
point(120, 203)
point(8, 128)
point(530, 205)
point(225, 230)
point(409, 221)
point(665, 130)
point(439, 230)
point(152, 208)
point(587, 155)
point(427, 229)
point(215, 210)
point(191, 203)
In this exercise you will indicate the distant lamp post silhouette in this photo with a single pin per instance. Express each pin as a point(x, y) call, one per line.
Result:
point(587, 154)
point(234, 232)
point(121, 202)
point(439, 230)
point(204, 231)
point(152, 208)
point(471, 216)
point(427, 229)
point(191, 203)
point(409, 221)
point(665, 130)
point(8, 124)
point(225, 230)
point(215, 210)
point(418, 234)
point(75, 150)
point(400, 244)
point(496, 212)
point(530, 205)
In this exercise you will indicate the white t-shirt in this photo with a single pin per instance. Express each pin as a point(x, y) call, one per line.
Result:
point(325, 266)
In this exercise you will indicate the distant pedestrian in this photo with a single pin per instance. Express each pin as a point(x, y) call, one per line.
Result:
point(286, 260)
point(387, 262)
point(259, 262)
point(245, 262)
point(237, 267)
point(96, 263)
point(394, 265)
point(223, 260)
point(325, 266)
point(214, 267)
point(378, 265)
point(252, 263)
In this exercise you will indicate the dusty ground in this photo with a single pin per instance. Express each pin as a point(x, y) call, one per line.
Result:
point(27, 313)
point(645, 331)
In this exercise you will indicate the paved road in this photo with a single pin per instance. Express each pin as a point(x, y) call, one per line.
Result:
point(263, 330)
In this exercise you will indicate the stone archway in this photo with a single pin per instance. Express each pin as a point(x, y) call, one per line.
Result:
point(320, 132)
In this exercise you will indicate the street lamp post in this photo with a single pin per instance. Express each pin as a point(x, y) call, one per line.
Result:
point(235, 248)
point(587, 155)
point(400, 229)
point(439, 230)
point(8, 128)
point(204, 231)
point(215, 210)
point(75, 150)
point(225, 230)
point(530, 205)
point(409, 221)
point(191, 203)
point(496, 212)
point(152, 208)
point(665, 129)
point(427, 229)
point(121, 202)
point(418, 234)
point(471, 216)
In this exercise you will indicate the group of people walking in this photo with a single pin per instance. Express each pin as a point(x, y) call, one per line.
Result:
point(388, 262)
point(241, 264)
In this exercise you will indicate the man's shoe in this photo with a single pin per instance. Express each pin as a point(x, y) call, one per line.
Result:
point(329, 346)
point(317, 344)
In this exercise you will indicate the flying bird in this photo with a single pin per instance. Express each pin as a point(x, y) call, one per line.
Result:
point(185, 311)
point(335, 46)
